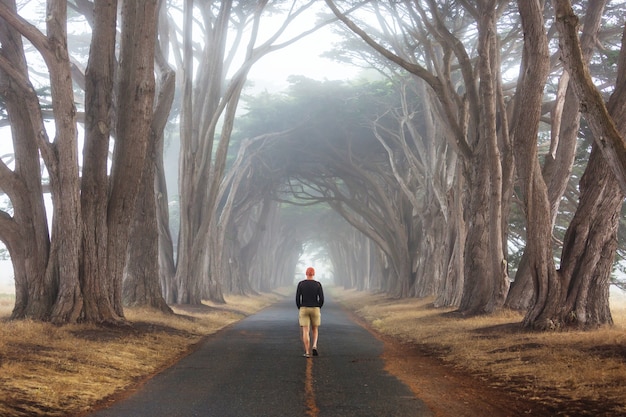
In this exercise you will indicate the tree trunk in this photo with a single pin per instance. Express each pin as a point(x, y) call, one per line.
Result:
point(167, 267)
point(141, 286)
point(533, 74)
point(481, 288)
point(450, 290)
point(142, 282)
point(580, 296)
point(166, 92)
point(135, 97)
point(25, 232)
point(63, 268)
point(430, 256)
point(99, 80)
point(560, 159)
point(486, 281)
point(589, 248)
point(556, 172)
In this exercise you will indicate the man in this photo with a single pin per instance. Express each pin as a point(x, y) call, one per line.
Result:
point(309, 299)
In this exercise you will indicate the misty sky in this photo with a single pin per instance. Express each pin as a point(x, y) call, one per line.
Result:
point(301, 58)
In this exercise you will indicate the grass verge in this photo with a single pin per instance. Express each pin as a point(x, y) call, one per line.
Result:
point(556, 368)
point(48, 370)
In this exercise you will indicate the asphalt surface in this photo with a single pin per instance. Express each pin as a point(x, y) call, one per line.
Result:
point(255, 368)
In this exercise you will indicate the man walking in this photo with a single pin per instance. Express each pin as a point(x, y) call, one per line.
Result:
point(309, 299)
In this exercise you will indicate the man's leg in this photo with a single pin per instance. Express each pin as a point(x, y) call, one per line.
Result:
point(314, 334)
point(316, 321)
point(305, 339)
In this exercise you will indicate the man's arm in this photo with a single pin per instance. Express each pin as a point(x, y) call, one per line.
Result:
point(298, 296)
point(321, 296)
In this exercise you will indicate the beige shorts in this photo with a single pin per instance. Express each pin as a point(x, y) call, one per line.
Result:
point(308, 316)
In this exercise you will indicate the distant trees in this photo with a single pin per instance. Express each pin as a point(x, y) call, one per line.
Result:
point(329, 154)
point(469, 101)
point(487, 149)
point(211, 84)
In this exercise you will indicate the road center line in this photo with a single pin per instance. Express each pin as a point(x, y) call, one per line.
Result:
point(309, 392)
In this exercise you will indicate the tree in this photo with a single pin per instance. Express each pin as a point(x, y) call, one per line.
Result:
point(79, 274)
point(533, 75)
point(135, 91)
point(56, 284)
point(142, 283)
point(25, 231)
point(99, 103)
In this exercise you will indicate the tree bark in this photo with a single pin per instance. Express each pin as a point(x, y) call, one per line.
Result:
point(533, 74)
point(167, 89)
point(450, 290)
point(486, 281)
point(141, 286)
point(591, 239)
point(142, 282)
point(63, 270)
point(589, 248)
point(135, 96)
point(99, 125)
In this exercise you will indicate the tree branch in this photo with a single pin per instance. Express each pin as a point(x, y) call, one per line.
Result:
point(592, 105)
point(28, 30)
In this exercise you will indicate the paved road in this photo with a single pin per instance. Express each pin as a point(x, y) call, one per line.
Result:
point(255, 368)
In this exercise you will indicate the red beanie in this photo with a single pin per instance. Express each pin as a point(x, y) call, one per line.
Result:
point(310, 271)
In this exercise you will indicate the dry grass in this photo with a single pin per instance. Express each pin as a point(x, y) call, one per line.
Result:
point(554, 368)
point(47, 370)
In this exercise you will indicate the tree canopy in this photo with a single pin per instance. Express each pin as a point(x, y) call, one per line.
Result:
point(478, 161)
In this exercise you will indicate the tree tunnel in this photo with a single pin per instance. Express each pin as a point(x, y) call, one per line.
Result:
point(331, 170)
